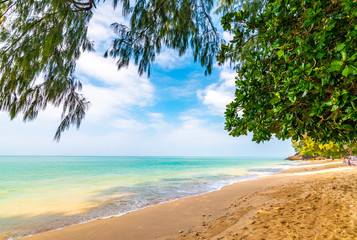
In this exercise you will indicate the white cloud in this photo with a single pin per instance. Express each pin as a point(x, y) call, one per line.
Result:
point(169, 59)
point(157, 116)
point(105, 70)
point(191, 136)
point(227, 36)
point(130, 125)
point(216, 96)
point(99, 29)
point(115, 91)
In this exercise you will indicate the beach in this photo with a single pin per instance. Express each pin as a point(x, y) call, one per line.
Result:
point(313, 201)
point(46, 193)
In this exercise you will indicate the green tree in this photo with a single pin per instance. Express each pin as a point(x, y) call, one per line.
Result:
point(40, 42)
point(310, 148)
point(297, 64)
point(296, 60)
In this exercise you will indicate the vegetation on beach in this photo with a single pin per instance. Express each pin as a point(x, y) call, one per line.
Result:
point(309, 148)
point(296, 60)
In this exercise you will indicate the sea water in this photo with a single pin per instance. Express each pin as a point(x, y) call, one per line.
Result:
point(39, 194)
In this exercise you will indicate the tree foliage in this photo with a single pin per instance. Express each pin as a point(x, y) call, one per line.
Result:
point(297, 65)
point(310, 148)
point(40, 42)
point(177, 25)
point(296, 60)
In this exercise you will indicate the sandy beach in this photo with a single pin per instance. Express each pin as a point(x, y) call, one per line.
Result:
point(313, 201)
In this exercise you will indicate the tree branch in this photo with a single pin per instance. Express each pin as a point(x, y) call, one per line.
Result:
point(208, 17)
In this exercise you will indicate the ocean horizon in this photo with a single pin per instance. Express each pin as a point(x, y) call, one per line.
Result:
point(44, 193)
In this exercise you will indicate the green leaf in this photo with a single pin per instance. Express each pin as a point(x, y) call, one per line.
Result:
point(334, 68)
point(331, 26)
point(353, 70)
point(340, 46)
point(280, 53)
point(330, 102)
point(324, 81)
point(345, 71)
point(337, 62)
point(298, 39)
point(334, 108)
point(352, 58)
point(320, 55)
point(308, 71)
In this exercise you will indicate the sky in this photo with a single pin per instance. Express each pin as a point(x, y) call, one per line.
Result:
point(178, 111)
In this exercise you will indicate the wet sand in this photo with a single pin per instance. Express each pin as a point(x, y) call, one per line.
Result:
point(313, 201)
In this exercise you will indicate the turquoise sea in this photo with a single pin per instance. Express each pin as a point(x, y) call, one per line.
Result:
point(39, 194)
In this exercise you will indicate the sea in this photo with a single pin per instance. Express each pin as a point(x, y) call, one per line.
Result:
point(45, 193)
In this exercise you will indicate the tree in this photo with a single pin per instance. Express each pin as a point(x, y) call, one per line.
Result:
point(296, 60)
point(297, 65)
point(309, 148)
point(40, 42)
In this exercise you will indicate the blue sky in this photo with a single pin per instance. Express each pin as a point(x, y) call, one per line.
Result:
point(178, 111)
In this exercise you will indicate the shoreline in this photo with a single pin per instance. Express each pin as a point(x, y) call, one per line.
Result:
point(84, 197)
point(179, 217)
point(243, 178)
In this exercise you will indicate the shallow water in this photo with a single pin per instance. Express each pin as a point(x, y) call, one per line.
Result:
point(39, 194)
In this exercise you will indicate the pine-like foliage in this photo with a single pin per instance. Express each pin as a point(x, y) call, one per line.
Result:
point(178, 25)
point(40, 42)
